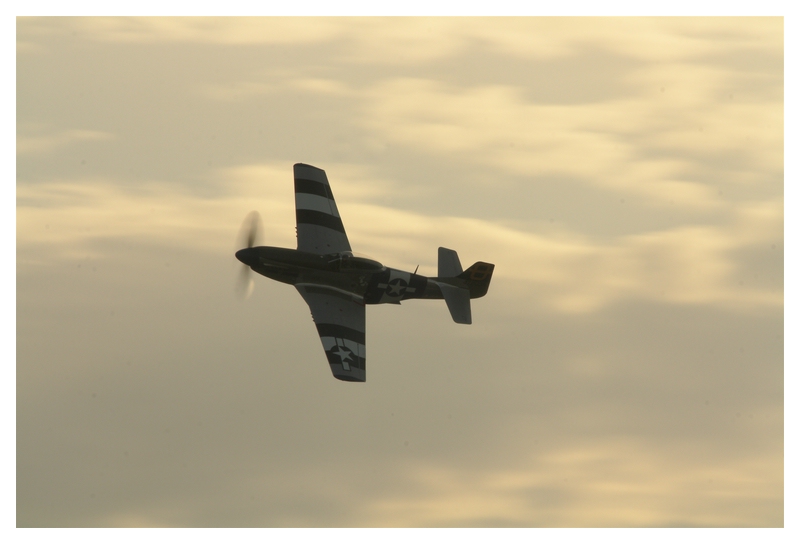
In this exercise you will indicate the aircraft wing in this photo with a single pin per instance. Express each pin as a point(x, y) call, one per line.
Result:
point(341, 324)
point(319, 227)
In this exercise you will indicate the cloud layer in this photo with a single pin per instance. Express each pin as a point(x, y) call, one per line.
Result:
point(625, 176)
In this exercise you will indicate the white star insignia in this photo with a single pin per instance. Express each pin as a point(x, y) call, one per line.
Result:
point(344, 354)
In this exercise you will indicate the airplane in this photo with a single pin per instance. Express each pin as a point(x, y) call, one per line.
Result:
point(338, 284)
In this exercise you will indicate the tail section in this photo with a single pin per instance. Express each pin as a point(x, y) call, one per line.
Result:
point(478, 276)
point(449, 265)
point(458, 286)
point(457, 300)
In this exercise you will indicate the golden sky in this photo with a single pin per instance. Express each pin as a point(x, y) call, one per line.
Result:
point(625, 175)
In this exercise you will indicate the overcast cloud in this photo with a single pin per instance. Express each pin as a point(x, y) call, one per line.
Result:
point(624, 175)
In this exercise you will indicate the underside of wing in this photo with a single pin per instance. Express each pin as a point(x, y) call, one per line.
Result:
point(319, 227)
point(341, 324)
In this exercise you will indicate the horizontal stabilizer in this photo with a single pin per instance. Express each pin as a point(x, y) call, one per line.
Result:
point(449, 265)
point(457, 300)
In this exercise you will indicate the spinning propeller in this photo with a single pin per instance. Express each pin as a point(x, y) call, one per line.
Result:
point(249, 235)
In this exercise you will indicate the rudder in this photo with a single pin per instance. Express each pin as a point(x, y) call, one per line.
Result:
point(478, 276)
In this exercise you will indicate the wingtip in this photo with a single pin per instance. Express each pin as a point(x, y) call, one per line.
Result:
point(304, 165)
point(349, 379)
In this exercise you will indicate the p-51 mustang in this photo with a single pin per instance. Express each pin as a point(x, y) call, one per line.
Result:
point(336, 284)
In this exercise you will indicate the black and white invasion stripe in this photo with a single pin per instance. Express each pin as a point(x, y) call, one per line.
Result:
point(319, 226)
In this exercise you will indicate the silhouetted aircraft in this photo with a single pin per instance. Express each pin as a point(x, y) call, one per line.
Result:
point(336, 284)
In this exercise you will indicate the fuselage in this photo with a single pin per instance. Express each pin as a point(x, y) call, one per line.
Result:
point(367, 280)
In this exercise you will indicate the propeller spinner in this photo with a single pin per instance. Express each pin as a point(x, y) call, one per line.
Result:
point(249, 235)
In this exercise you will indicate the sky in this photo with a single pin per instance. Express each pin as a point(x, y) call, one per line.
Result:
point(625, 176)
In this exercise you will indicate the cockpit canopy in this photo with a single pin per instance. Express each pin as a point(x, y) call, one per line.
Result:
point(349, 261)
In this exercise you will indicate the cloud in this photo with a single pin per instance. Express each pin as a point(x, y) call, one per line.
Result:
point(570, 272)
point(625, 176)
point(607, 483)
point(244, 90)
point(638, 145)
point(658, 146)
point(45, 143)
point(214, 30)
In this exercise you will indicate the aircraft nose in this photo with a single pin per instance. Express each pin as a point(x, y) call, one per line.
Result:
point(245, 255)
